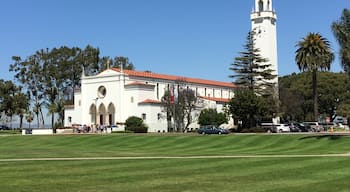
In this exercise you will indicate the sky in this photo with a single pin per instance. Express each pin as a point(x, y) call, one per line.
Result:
point(191, 38)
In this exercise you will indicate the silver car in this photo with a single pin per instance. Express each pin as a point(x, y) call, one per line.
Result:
point(282, 128)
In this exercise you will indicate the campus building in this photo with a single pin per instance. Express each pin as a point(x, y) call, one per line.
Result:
point(112, 96)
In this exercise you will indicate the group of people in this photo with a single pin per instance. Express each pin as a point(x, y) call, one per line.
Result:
point(90, 129)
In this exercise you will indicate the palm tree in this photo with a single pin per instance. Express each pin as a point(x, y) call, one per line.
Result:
point(29, 117)
point(60, 112)
point(21, 104)
point(341, 30)
point(313, 54)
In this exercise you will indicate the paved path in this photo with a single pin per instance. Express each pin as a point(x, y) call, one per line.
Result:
point(173, 157)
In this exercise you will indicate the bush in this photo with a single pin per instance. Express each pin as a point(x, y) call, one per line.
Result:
point(136, 125)
point(211, 117)
point(138, 129)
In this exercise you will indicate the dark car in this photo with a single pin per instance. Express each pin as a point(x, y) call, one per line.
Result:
point(212, 130)
point(297, 127)
point(4, 127)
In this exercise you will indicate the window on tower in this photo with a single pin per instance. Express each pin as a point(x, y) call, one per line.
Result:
point(273, 21)
point(261, 6)
point(258, 20)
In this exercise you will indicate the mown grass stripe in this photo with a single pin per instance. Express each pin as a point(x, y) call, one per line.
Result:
point(130, 145)
point(258, 174)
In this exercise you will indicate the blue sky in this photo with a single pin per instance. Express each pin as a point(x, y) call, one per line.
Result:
point(192, 38)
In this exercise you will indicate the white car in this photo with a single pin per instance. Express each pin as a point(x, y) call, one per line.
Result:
point(282, 128)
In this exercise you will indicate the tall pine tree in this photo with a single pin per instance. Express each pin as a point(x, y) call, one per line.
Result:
point(254, 76)
point(252, 71)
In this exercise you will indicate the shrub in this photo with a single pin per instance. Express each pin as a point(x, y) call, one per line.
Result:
point(136, 125)
point(138, 129)
point(211, 117)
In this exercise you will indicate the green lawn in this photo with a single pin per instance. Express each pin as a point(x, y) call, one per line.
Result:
point(214, 174)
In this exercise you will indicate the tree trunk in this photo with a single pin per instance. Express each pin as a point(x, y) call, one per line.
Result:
point(53, 122)
point(20, 121)
point(42, 119)
point(11, 123)
point(315, 94)
point(37, 119)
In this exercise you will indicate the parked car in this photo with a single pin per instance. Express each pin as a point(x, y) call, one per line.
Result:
point(212, 130)
point(297, 127)
point(282, 128)
point(4, 127)
point(313, 126)
point(340, 119)
point(268, 127)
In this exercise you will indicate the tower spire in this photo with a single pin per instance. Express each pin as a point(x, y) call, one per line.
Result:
point(263, 21)
point(263, 5)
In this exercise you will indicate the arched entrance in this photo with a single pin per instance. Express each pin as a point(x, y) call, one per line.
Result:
point(101, 114)
point(111, 114)
point(93, 114)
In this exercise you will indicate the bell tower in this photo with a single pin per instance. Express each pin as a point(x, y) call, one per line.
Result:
point(263, 19)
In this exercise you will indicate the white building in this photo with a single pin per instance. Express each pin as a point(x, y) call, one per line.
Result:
point(112, 96)
point(263, 21)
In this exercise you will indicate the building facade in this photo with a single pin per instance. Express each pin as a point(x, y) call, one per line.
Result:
point(112, 96)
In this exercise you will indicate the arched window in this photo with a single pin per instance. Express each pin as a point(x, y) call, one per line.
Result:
point(268, 5)
point(261, 6)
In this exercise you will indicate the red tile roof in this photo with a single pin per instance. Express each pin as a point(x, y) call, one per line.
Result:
point(175, 78)
point(223, 100)
point(151, 101)
point(139, 83)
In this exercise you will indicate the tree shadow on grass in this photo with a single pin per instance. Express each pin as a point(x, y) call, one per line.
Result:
point(328, 136)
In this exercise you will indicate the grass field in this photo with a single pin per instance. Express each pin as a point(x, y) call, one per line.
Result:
point(261, 173)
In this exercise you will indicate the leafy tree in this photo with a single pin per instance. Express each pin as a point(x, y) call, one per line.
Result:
point(297, 100)
point(136, 125)
point(53, 81)
point(88, 59)
point(51, 76)
point(295, 95)
point(13, 101)
point(211, 117)
point(181, 107)
point(29, 73)
point(344, 110)
point(61, 78)
point(7, 92)
point(78, 61)
point(123, 61)
point(21, 105)
point(118, 62)
point(252, 71)
point(341, 30)
point(314, 53)
point(247, 107)
point(106, 62)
